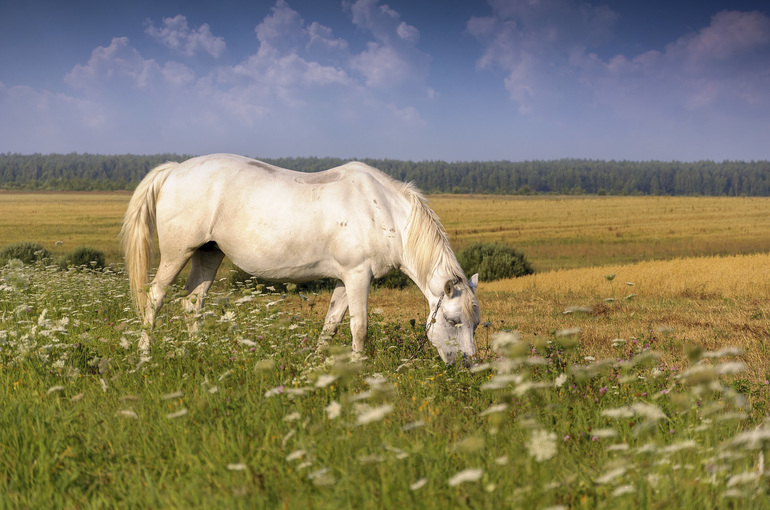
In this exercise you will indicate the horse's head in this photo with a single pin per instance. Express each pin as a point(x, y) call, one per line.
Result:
point(456, 315)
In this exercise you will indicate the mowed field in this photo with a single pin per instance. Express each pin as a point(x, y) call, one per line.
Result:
point(631, 371)
point(554, 232)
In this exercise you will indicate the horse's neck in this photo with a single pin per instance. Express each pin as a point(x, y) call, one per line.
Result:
point(433, 287)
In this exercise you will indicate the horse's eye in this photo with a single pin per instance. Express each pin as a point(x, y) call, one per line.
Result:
point(451, 322)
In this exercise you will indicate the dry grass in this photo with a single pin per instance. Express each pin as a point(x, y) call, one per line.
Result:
point(568, 232)
point(75, 219)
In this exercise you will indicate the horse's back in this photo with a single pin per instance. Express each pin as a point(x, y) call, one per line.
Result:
point(345, 214)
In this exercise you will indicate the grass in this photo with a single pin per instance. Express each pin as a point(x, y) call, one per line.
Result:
point(247, 414)
point(587, 392)
point(553, 232)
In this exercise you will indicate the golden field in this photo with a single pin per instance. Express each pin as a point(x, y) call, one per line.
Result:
point(554, 232)
point(696, 266)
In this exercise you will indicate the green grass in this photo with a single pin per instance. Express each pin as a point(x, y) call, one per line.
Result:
point(242, 415)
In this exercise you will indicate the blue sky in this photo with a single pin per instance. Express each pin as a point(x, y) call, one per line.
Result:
point(404, 79)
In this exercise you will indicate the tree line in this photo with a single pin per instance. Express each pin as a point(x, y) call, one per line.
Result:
point(87, 172)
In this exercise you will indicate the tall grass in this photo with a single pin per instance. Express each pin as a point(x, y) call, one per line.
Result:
point(248, 414)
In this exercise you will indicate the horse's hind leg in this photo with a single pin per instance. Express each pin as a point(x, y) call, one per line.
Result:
point(337, 308)
point(170, 266)
point(205, 263)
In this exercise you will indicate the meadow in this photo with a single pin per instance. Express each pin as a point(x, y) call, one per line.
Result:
point(608, 379)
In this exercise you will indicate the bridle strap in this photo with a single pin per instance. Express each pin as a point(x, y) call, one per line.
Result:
point(424, 338)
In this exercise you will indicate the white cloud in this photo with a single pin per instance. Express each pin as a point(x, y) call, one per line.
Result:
point(408, 33)
point(177, 35)
point(530, 42)
point(118, 61)
point(56, 121)
point(382, 65)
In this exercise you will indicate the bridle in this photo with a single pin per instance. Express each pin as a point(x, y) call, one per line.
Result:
point(424, 338)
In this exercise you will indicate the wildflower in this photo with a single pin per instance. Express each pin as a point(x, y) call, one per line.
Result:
point(274, 391)
point(623, 489)
point(419, 484)
point(53, 389)
point(497, 408)
point(560, 380)
point(681, 445)
point(333, 410)
point(292, 416)
point(413, 425)
point(376, 414)
point(611, 475)
point(603, 433)
point(295, 455)
point(321, 477)
point(236, 467)
point(325, 380)
point(542, 445)
point(177, 414)
point(127, 413)
point(466, 475)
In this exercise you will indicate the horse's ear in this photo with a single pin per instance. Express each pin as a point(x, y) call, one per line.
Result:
point(474, 282)
point(449, 288)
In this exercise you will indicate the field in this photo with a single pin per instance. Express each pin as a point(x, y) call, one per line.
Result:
point(630, 371)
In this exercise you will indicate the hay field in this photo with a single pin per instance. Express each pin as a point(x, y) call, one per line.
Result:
point(554, 232)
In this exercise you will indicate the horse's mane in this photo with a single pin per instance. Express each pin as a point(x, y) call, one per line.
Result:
point(426, 247)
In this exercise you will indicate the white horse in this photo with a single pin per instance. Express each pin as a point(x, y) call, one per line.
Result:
point(352, 223)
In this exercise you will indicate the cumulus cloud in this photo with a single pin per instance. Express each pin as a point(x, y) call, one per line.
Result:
point(301, 80)
point(723, 65)
point(549, 52)
point(177, 35)
point(530, 41)
point(393, 58)
point(118, 61)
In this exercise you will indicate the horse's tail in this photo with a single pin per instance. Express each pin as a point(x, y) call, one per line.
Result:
point(137, 233)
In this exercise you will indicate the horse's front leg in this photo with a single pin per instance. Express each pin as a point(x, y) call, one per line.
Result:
point(358, 296)
point(337, 308)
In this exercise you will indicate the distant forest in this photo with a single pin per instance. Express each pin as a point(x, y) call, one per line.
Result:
point(85, 172)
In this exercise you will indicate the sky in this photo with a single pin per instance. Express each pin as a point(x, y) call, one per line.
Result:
point(450, 80)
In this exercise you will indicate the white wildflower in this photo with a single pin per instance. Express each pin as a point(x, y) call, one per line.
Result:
point(622, 490)
point(375, 414)
point(53, 389)
point(504, 338)
point(681, 445)
point(466, 475)
point(325, 380)
point(413, 425)
point(542, 445)
point(274, 391)
point(560, 380)
point(419, 484)
point(292, 416)
point(177, 414)
point(127, 413)
point(730, 367)
point(497, 408)
point(236, 467)
point(104, 385)
point(609, 476)
point(741, 478)
point(603, 433)
point(333, 410)
point(295, 455)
